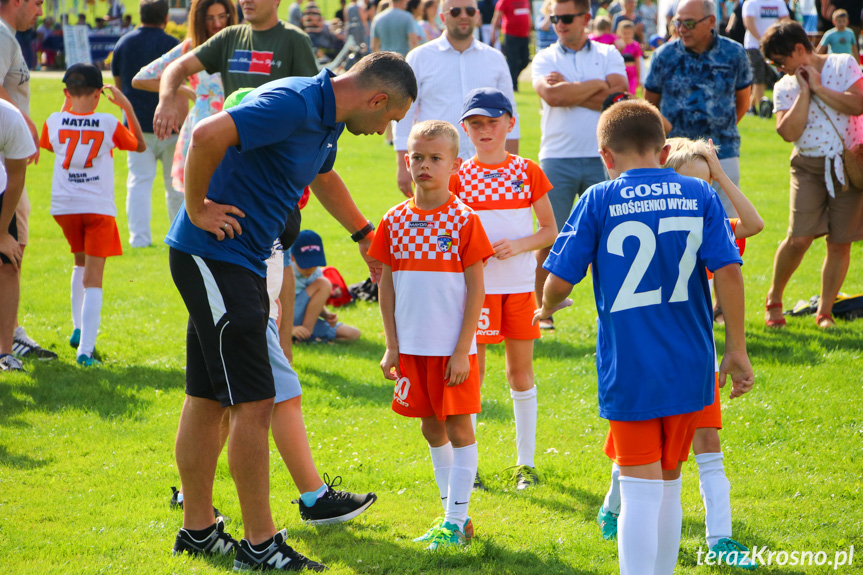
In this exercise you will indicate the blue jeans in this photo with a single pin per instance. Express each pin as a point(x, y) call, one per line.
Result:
point(570, 178)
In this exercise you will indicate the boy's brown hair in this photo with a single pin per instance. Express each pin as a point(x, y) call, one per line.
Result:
point(580, 5)
point(631, 126)
point(431, 129)
point(78, 91)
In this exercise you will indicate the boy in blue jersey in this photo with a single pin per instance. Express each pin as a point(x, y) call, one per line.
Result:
point(648, 236)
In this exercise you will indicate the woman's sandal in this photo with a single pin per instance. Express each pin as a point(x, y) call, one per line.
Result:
point(827, 318)
point(774, 323)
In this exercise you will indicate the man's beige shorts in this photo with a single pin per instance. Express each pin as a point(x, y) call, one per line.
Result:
point(813, 213)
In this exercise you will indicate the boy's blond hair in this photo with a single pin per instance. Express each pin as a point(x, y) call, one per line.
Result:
point(631, 126)
point(685, 151)
point(602, 24)
point(838, 14)
point(431, 129)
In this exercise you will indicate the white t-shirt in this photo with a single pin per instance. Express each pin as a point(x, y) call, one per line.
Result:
point(275, 275)
point(14, 72)
point(16, 143)
point(83, 180)
point(766, 13)
point(570, 132)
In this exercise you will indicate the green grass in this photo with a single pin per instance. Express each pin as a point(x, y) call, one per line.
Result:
point(86, 456)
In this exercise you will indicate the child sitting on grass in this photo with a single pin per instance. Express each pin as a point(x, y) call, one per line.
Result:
point(82, 190)
point(312, 321)
point(431, 292)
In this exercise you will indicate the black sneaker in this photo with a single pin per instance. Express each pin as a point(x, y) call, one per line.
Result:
point(478, 485)
point(177, 504)
point(24, 346)
point(525, 476)
point(216, 543)
point(335, 506)
point(279, 556)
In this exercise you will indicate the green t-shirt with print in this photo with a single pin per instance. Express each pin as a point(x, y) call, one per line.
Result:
point(247, 59)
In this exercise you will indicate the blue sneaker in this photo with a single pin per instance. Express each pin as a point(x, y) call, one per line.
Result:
point(88, 361)
point(75, 338)
point(607, 522)
point(449, 535)
point(730, 552)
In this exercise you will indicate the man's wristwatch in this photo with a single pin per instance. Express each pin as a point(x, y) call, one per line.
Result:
point(369, 228)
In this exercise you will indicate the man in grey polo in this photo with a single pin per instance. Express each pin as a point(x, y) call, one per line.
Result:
point(394, 30)
point(572, 76)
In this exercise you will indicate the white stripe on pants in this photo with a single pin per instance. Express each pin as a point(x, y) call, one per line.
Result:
point(139, 185)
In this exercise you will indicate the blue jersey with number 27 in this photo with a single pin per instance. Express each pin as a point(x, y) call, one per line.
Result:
point(649, 234)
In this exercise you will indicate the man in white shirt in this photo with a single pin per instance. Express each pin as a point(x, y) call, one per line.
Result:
point(446, 70)
point(758, 16)
point(572, 76)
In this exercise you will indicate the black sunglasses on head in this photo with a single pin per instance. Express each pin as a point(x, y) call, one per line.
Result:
point(456, 12)
point(566, 18)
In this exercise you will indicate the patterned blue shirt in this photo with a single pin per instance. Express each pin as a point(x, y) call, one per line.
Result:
point(699, 91)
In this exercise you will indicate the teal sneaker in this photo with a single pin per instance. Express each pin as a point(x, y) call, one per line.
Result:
point(525, 476)
point(449, 535)
point(607, 522)
point(429, 535)
point(87, 361)
point(75, 338)
point(730, 552)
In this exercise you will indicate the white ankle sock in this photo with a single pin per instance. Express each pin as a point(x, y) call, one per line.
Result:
point(670, 524)
point(77, 295)
point(91, 316)
point(612, 498)
point(716, 494)
point(524, 408)
point(638, 524)
point(442, 462)
point(464, 463)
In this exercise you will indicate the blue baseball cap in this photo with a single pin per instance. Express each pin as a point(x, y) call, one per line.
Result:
point(489, 102)
point(308, 250)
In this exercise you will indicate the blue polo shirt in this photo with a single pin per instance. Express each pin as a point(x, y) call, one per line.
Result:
point(648, 237)
point(288, 135)
point(699, 91)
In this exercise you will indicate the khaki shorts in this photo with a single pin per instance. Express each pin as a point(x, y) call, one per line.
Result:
point(813, 213)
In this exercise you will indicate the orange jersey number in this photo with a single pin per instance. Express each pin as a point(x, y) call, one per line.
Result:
point(91, 137)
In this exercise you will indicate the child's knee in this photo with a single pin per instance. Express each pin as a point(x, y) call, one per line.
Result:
point(459, 428)
point(347, 333)
point(706, 440)
point(319, 285)
point(434, 431)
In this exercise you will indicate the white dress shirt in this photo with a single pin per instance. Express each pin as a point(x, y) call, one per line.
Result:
point(444, 77)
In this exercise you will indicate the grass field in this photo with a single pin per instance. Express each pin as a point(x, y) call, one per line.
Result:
point(86, 456)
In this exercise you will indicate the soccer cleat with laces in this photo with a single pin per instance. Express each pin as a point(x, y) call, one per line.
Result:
point(88, 361)
point(449, 535)
point(278, 556)
point(24, 346)
point(216, 543)
point(335, 506)
point(75, 338)
point(730, 552)
point(9, 362)
point(525, 476)
point(429, 535)
point(607, 522)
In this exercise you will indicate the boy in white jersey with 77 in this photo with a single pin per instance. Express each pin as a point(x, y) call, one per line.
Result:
point(648, 236)
point(431, 291)
point(82, 191)
point(503, 189)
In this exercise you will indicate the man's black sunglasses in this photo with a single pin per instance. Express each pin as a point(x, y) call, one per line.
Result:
point(689, 24)
point(566, 18)
point(456, 12)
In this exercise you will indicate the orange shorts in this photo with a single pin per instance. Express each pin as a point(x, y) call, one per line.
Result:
point(94, 234)
point(421, 391)
point(711, 416)
point(507, 316)
point(665, 439)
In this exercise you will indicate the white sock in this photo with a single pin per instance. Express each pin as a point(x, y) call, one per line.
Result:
point(612, 498)
point(716, 494)
point(91, 313)
point(473, 422)
point(638, 524)
point(670, 524)
point(524, 408)
point(77, 295)
point(464, 463)
point(442, 462)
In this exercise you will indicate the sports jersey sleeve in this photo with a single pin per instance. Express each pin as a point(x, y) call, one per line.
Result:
point(267, 117)
point(45, 139)
point(123, 139)
point(539, 182)
point(576, 245)
point(455, 184)
point(741, 242)
point(380, 248)
point(718, 247)
point(474, 245)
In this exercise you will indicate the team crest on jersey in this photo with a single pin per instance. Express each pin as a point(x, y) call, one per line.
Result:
point(517, 186)
point(444, 243)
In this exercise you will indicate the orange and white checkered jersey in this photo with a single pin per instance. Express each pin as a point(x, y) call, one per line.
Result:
point(503, 196)
point(83, 180)
point(428, 251)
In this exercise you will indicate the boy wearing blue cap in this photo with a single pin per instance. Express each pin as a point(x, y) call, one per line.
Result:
point(503, 189)
point(312, 321)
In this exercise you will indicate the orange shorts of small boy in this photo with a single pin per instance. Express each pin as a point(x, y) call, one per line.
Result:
point(422, 391)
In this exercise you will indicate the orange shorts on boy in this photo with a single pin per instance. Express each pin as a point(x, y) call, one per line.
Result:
point(422, 391)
